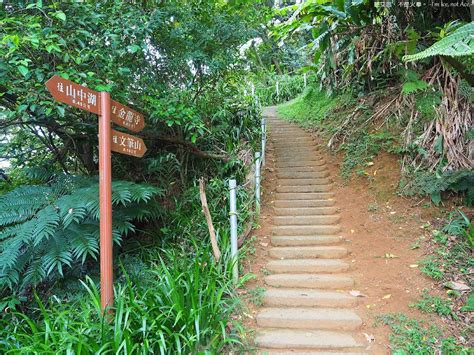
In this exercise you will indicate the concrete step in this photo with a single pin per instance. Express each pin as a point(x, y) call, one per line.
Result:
point(306, 156)
point(308, 318)
point(305, 220)
point(304, 195)
point(305, 188)
point(302, 175)
point(302, 169)
point(305, 339)
point(301, 266)
point(283, 138)
point(290, 230)
point(291, 140)
point(304, 240)
point(317, 160)
point(299, 163)
point(292, 144)
point(301, 182)
point(324, 252)
point(296, 153)
point(289, 133)
point(282, 203)
point(285, 133)
point(308, 211)
point(322, 281)
point(307, 298)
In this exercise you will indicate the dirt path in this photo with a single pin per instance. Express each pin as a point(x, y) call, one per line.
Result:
point(307, 306)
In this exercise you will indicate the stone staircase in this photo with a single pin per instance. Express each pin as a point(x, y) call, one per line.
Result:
point(307, 306)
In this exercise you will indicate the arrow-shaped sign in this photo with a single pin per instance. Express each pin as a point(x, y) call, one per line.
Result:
point(126, 117)
point(73, 94)
point(127, 144)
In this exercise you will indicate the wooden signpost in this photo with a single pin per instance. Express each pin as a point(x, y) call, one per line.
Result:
point(110, 140)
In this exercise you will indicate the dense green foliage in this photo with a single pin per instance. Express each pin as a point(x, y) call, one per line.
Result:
point(181, 305)
point(421, 111)
point(165, 65)
point(189, 66)
point(413, 337)
point(48, 227)
point(177, 62)
point(458, 43)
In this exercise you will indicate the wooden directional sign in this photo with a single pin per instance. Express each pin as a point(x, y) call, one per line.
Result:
point(109, 140)
point(126, 117)
point(127, 144)
point(74, 94)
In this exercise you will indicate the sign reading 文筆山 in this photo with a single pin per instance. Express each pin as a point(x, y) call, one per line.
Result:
point(127, 144)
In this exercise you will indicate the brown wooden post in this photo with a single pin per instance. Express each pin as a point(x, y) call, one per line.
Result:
point(105, 192)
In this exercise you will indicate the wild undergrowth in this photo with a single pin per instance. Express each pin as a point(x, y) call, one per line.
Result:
point(325, 112)
point(352, 126)
point(181, 302)
point(410, 336)
point(276, 89)
point(449, 263)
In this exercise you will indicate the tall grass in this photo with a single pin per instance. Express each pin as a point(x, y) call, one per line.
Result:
point(181, 304)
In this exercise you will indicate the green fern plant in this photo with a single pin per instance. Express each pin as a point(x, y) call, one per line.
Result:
point(459, 43)
point(45, 228)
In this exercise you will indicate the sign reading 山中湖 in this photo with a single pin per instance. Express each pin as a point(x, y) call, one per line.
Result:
point(74, 94)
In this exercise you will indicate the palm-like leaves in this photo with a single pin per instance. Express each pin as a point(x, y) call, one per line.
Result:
point(46, 228)
point(459, 43)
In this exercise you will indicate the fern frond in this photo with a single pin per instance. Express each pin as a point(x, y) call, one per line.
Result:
point(35, 273)
point(57, 255)
point(9, 277)
point(84, 245)
point(46, 224)
point(11, 252)
point(459, 43)
point(121, 193)
point(47, 228)
point(22, 203)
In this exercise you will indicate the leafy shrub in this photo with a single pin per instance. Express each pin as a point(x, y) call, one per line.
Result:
point(313, 106)
point(413, 337)
point(289, 87)
point(435, 304)
point(433, 184)
point(458, 43)
point(460, 225)
point(181, 304)
point(44, 228)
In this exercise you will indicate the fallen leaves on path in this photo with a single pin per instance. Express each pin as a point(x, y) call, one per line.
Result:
point(458, 286)
point(357, 293)
point(370, 338)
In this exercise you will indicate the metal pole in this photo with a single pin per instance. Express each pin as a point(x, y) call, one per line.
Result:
point(233, 230)
point(257, 180)
point(105, 204)
point(304, 77)
point(264, 140)
point(278, 89)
